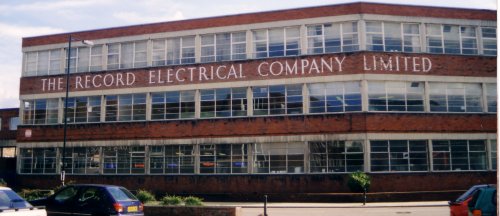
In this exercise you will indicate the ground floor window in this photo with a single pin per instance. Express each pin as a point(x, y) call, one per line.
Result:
point(336, 156)
point(459, 154)
point(398, 155)
point(172, 159)
point(279, 157)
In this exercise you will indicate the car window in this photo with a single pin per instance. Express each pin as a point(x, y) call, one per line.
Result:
point(469, 193)
point(90, 194)
point(121, 194)
point(66, 194)
point(9, 199)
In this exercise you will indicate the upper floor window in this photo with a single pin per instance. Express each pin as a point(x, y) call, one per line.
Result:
point(455, 97)
point(396, 96)
point(276, 42)
point(129, 107)
point(13, 123)
point(127, 55)
point(332, 38)
point(392, 37)
point(85, 59)
point(173, 105)
point(489, 36)
point(84, 109)
point(491, 97)
point(226, 102)
point(41, 111)
point(277, 100)
point(451, 39)
point(334, 97)
point(173, 51)
point(42, 63)
point(223, 47)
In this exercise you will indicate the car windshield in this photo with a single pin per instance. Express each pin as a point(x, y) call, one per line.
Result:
point(469, 193)
point(10, 200)
point(121, 194)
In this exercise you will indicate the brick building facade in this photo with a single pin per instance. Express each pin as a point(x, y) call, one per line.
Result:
point(274, 102)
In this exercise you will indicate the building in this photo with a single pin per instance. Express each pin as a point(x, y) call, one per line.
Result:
point(281, 102)
point(9, 120)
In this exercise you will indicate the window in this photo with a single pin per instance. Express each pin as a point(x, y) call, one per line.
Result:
point(334, 97)
point(173, 105)
point(489, 36)
point(13, 123)
point(126, 107)
point(178, 51)
point(84, 109)
point(223, 158)
point(223, 47)
point(277, 100)
point(451, 39)
point(455, 97)
point(38, 160)
point(41, 111)
point(332, 38)
point(124, 159)
point(396, 96)
point(127, 55)
point(8, 152)
point(336, 156)
point(276, 42)
point(171, 159)
point(42, 63)
point(398, 155)
point(392, 37)
point(85, 59)
point(459, 155)
point(83, 160)
point(278, 157)
point(493, 154)
point(491, 97)
point(223, 102)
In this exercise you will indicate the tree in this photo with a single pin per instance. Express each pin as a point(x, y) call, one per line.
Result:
point(359, 182)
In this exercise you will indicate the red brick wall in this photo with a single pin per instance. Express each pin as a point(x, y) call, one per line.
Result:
point(5, 115)
point(268, 126)
point(442, 65)
point(242, 19)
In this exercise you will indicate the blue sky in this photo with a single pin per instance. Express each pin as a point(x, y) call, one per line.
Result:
point(24, 18)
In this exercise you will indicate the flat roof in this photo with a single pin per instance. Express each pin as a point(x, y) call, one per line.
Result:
point(267, 16)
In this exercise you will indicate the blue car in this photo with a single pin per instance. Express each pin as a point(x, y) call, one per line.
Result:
point(92, 200)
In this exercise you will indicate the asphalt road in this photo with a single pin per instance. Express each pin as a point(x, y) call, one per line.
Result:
point(358, 211)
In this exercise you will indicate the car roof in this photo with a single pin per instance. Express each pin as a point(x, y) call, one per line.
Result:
point(92, 185)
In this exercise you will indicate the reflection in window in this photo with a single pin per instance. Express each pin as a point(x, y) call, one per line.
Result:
point(83, 160)
point(223, 158)
point(392, 37)
point(84, 109)
point(459, 154)
point(278, 157)
point(398, 155)
point(332, 38)
point(491, 97)
point(455, 97)
point(38, 160)
point(276, 42)
point(173, 105)
point(85, 59)
point(171, 159)
point(489, 36)
point(41, 111)
point(277, 100)
point(336, 156)
point(124, 159)
point(396, 96)
point(451, 39)
point(42, 63)
point(126, 107)
point(223, 47)
point(127, 55)
point(223, 102)
point(493, 154)
point(334, 97)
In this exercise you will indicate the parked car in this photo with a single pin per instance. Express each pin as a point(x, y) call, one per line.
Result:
point(12, 204)
point(459, 206)
point(484, 202)
point(91, 199)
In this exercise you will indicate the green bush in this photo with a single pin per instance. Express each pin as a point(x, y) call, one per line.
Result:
point(145, 196)
point(358, 182)
point(171, 200)
point(193, 201)
point(29, 194)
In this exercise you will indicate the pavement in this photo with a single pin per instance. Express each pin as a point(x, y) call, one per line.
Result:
point(330, 205)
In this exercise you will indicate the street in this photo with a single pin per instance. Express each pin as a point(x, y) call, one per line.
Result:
point(358, 211)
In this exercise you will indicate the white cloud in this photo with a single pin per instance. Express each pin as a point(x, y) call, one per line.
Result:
point(9, 30)
point(135, 18)
point(53, 5)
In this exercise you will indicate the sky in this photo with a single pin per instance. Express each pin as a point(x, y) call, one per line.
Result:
point(25, 18)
